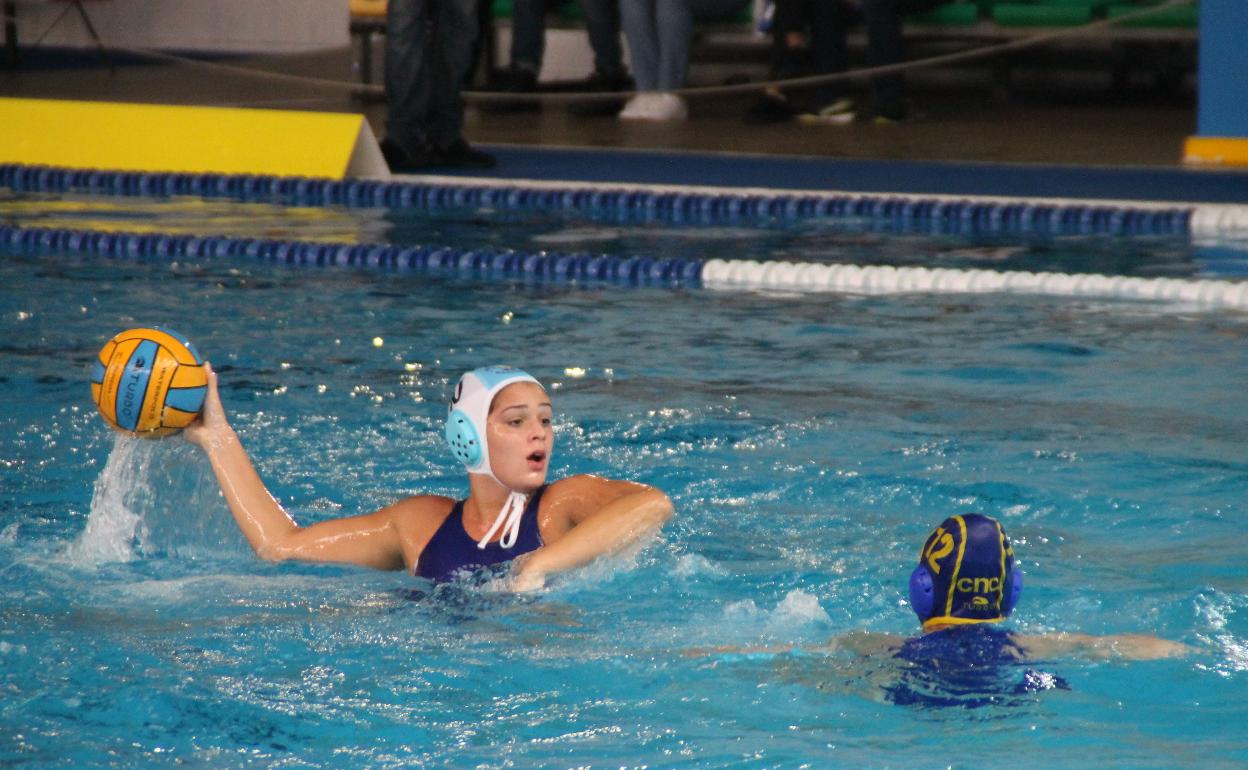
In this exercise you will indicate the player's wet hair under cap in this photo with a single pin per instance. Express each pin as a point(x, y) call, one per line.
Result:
point(966, 573)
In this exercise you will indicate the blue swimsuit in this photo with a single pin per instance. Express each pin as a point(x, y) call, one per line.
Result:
point(451, 551)
point(969, 667)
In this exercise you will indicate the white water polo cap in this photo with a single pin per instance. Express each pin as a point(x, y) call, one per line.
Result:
point(466, 434)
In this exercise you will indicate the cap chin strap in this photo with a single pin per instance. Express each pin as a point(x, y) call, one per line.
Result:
point(947, 620)
point(508, 520)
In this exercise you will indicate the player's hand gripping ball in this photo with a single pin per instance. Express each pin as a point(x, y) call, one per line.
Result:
point(149, 382)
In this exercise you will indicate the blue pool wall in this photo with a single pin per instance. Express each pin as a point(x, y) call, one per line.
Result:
point(1222, 110)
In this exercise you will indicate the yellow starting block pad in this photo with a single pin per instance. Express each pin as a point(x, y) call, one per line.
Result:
point(369, 8)
point(1216, 151)
point(149, 137)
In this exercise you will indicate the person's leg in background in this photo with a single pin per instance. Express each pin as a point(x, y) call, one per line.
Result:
point(528, 43)
point(524, 61)
point(453, 36)
point(602, 24)
point(407, 80)
point(808, 38)
point(788, 56)
point(829, 24)
point(657, 31)
point(659, 37)
point(674, 21)
point(637, 17)
point(885, 45)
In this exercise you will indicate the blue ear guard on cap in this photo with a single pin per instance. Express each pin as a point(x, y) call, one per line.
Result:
point(463, 438)
point(966, 573)
point(923, 594)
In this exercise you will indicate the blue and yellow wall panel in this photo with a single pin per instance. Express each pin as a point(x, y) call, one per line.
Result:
point(1222, 113)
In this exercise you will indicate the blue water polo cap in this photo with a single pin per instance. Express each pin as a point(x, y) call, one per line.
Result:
point(966, 573)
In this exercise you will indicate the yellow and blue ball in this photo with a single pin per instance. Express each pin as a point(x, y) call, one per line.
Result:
point(149, 382)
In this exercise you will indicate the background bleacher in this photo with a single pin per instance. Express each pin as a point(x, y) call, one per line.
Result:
point(1160, 47)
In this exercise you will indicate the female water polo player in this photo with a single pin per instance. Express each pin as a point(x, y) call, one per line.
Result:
point(967, 580)
point(499, 426)
point(965, 584)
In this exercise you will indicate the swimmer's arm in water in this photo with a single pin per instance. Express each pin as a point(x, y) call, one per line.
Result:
point(587, 517)
point(1124, 646)
point(386, 539)
point(864, 643)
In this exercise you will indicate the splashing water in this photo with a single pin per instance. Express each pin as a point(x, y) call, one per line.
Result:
point(798, 610)
point(117, 504)
point(153, 497)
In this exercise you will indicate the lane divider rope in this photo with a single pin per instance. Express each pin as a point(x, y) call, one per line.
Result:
point(633, 271)
point(501, 263)
point(906, 212)
point(886, 279)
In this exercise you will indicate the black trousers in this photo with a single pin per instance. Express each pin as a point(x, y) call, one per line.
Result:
point(825, 24)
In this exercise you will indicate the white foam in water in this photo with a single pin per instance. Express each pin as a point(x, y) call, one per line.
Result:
point(692, 564)
point(113, 523)
point(798, 609)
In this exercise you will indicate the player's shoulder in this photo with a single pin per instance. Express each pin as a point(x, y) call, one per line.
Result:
point(419, 507)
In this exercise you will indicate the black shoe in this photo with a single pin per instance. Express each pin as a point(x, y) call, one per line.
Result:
point(401, 160)
point(460, 154)
point(890, 113)
point(602, 83)
point(514, 81)
point(770, 108)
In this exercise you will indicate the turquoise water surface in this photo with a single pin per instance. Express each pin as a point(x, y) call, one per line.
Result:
point(809, 444)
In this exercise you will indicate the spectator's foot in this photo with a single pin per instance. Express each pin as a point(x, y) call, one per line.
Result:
point(402, 160)
point(838, 113)
point(772, 107)
point(890, 114)
point(515, 81)
point(601, 83)
point(460, 154)
point(656, 106)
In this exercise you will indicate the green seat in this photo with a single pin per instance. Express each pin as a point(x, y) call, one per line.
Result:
point(1181, 17)
point(1042, 15)
point(956, 14)
point(571, 11)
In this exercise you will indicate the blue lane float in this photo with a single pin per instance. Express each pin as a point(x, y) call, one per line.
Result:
point(698, 205)
point(586, 269)
point(483, 263)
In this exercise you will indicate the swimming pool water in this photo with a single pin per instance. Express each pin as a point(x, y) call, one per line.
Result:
point(809, 443)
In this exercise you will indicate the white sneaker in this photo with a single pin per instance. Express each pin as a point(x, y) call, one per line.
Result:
point(635, 108)
point(669, 107)
point(655, 106)
point(838, 113)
